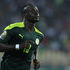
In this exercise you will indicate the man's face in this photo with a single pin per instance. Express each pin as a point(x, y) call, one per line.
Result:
point(33, 15)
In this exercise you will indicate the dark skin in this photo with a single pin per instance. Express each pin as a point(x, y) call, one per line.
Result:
point(29, 25)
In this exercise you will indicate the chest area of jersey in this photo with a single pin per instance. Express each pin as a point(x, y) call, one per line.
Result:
point(23, 35)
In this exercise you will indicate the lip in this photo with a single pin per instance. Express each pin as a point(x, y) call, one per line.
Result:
point(37, 18)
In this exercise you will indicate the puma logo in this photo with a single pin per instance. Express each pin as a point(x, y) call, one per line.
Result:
point(21, 36)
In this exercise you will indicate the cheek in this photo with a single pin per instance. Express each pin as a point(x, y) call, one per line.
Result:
point(29, 18)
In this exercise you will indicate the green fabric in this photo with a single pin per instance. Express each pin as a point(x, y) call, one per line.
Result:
point(16, 34)
point(15, 65)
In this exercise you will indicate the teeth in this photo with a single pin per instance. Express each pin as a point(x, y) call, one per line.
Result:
point(37, 19)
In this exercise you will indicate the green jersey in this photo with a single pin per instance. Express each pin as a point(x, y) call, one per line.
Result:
point(17, 33)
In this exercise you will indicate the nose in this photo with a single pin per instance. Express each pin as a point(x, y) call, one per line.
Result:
point(38, 15)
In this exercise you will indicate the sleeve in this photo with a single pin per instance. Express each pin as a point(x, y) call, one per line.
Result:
point(5, 36)
point(41, 37)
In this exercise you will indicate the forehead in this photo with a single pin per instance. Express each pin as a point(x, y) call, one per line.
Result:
point(35, 10)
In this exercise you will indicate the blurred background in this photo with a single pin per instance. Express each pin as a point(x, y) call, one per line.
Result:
point(54, 51)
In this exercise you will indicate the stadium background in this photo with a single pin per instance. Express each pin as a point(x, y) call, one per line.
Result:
point(54, 51)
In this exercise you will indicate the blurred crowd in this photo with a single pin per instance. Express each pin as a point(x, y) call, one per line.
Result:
point(55, 23)
point(54, 20)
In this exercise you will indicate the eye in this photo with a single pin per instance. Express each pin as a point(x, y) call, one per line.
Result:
point(32, 14)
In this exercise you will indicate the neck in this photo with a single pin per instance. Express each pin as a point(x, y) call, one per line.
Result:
point(29, 25)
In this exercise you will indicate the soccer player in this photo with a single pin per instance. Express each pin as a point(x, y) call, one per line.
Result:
point(20, 40)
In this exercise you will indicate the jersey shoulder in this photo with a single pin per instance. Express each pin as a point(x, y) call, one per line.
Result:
point(39, 32)
point(17, 24)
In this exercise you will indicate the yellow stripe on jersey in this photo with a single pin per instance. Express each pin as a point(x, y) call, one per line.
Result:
point(18, 24)
point(27, 50)
point(38, 31)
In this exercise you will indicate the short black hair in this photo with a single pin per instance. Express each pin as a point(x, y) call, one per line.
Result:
point(27, 8)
